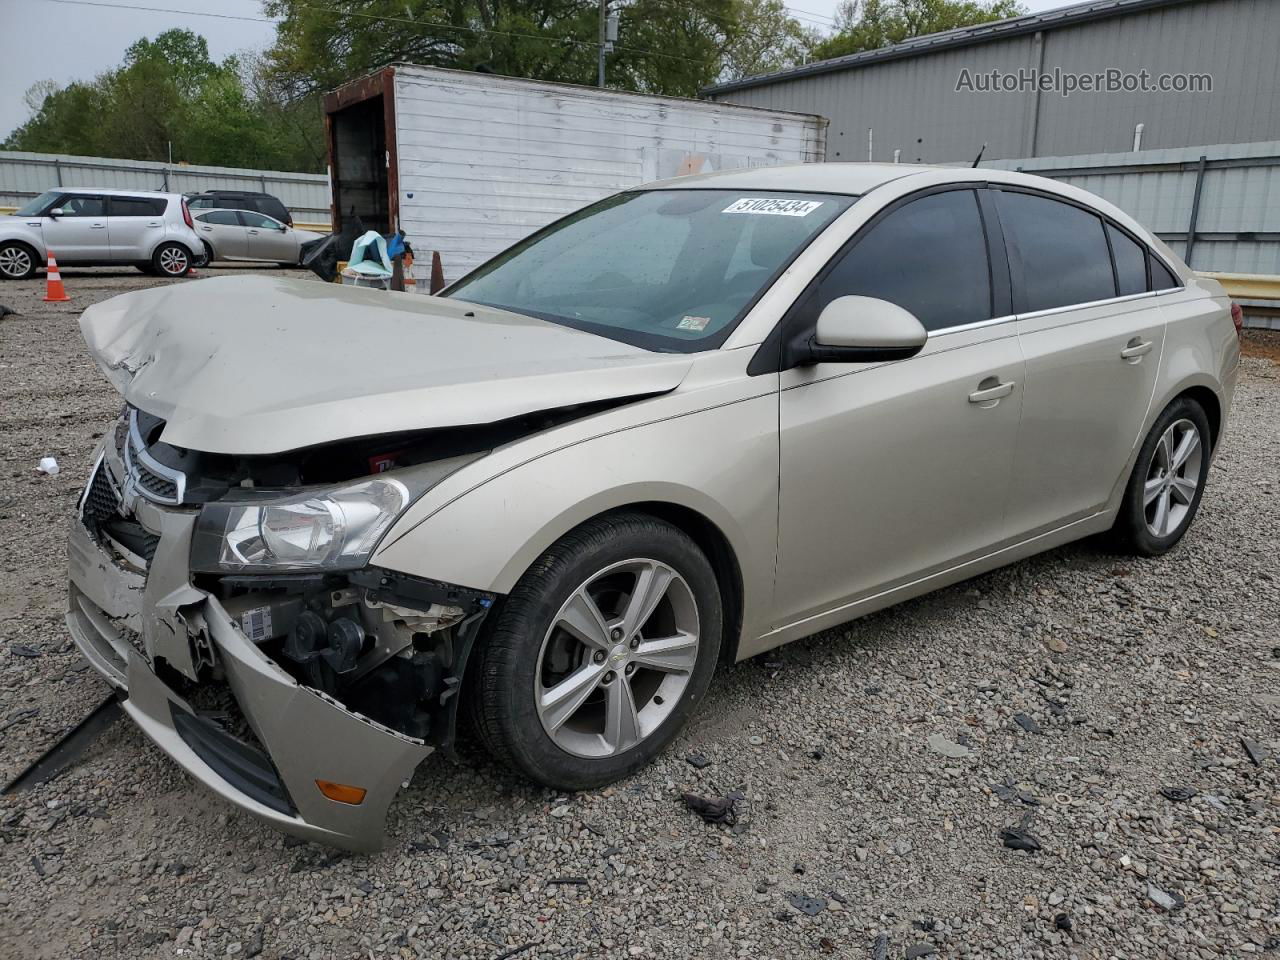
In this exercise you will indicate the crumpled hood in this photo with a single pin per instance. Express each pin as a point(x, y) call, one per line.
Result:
point(255, 365)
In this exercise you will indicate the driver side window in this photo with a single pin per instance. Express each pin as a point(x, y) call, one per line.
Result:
point(928, 256)
point(83, 207)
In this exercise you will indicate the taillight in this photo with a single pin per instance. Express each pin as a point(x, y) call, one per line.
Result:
point(1237, 317)
point(186, 214)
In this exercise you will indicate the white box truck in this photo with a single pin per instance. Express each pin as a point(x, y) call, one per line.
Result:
point(468, 163)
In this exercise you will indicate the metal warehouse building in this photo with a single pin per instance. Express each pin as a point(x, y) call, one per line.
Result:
point(902, 101)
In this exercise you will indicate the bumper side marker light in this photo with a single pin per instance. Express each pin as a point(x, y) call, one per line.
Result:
point(341, 792)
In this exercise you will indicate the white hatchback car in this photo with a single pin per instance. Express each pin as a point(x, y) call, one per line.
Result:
point(94, 226)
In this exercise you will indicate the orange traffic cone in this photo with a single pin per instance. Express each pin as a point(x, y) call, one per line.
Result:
point(53, 291)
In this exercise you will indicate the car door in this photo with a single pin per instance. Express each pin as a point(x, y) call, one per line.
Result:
point(136, 225)
point(1092, 335)
point(80, 233)
point(269, 239)
point(223, 230)
point(891, 471)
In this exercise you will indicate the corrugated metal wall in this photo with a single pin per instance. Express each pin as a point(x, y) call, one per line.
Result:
point(912, 104)
point(26, 175)
point(1238, 226)
point(486, 160)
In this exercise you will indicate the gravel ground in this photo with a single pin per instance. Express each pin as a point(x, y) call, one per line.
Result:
point(878, 764)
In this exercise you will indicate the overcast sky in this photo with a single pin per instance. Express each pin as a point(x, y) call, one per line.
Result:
point(62, 41)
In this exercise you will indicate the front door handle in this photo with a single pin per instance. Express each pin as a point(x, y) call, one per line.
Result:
point(1136, 350)
point(97, 226)
point(991, 391)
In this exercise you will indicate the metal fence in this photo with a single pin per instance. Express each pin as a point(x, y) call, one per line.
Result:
point(26, 175)
point(1218, 206)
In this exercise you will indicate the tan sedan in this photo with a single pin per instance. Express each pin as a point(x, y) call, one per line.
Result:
point(677, 428)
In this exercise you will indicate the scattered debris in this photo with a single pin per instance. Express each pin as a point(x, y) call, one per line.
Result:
point(1256, 751)
point(22, 650)
point(37, 866)
point(714, 809)
point(1177, 794)
point(1019, 838)
point(826, 945)
point(69, 748)
point(1010, 794)
point(697, 761)
point(1056, 644)
point(7, 311)
point(880, 949)
point(1165, 901)
point(568, 882)
point(809, 906)
point(947, 748)
point(562, 811)
point(48, 465)
point(921, 950)
point(1027, 723)
point(1062, 922)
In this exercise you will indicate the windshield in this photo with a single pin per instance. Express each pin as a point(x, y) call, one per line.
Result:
point(661, 269)
point(36, 206)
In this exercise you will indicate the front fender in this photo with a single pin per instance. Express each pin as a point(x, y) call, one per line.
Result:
point(487, 537)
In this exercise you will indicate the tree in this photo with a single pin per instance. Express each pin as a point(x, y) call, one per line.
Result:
point(665, 46)
point(765, 38)
point(169, 94)
point(871, 24)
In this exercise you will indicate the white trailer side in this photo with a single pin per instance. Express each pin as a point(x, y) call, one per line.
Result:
point(477, 161)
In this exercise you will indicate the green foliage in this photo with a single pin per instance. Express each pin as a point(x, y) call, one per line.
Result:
point(168, 92)
point(871, 24)
point(665, 46)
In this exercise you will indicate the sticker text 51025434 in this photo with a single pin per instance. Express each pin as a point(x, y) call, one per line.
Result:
point(773, 206)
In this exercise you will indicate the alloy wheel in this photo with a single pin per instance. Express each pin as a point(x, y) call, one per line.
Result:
point(173, 261)
point(15, 262)
point(1172, 478)
point(617, 658)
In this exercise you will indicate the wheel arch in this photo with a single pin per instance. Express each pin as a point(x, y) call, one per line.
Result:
point(37, 258)
point(1204, 391)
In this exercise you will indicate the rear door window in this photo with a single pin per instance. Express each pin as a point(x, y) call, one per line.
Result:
point(225, 218)
point(251, 219)
point(928, 256)
point(136, 206)
point(1058, 252)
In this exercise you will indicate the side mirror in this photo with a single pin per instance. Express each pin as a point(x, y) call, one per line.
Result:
point(56, 212)
point(283, 228)
point(865, 330)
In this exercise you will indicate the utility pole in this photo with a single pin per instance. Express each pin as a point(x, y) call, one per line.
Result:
point(608, 36)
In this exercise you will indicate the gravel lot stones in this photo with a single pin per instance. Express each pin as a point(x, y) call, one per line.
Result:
point(1159, 669)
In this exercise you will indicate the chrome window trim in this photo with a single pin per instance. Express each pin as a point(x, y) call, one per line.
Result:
point(134, 447)
point(976, 325)
point(1037, 314)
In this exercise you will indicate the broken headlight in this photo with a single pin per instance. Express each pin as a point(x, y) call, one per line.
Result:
point(334, 529)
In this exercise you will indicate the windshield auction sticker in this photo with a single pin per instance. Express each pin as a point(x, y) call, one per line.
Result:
point(773, 206)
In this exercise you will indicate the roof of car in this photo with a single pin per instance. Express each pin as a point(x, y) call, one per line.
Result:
point(115, 192)
point(848, 178)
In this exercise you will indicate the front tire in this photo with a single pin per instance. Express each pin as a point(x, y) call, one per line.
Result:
point(17, 261)
point(600, 654)
point(1167, 482)
point(171, 260)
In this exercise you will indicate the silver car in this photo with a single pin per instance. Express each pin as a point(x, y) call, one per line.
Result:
point(98, 227)
point(677, 428)
point(249, 235)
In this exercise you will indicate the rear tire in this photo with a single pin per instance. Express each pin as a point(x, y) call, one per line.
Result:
point(18, 261)
point(1167, 482)
point(643, 638)
point(171, 260)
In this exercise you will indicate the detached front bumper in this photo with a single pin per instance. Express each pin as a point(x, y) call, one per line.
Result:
point(121, 619)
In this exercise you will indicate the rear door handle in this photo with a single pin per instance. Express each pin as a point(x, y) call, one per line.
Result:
point(97, 226)
point(1136, 350)
point(991, 391)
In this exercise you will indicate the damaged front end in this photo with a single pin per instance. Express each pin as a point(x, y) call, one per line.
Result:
point(231, 601)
